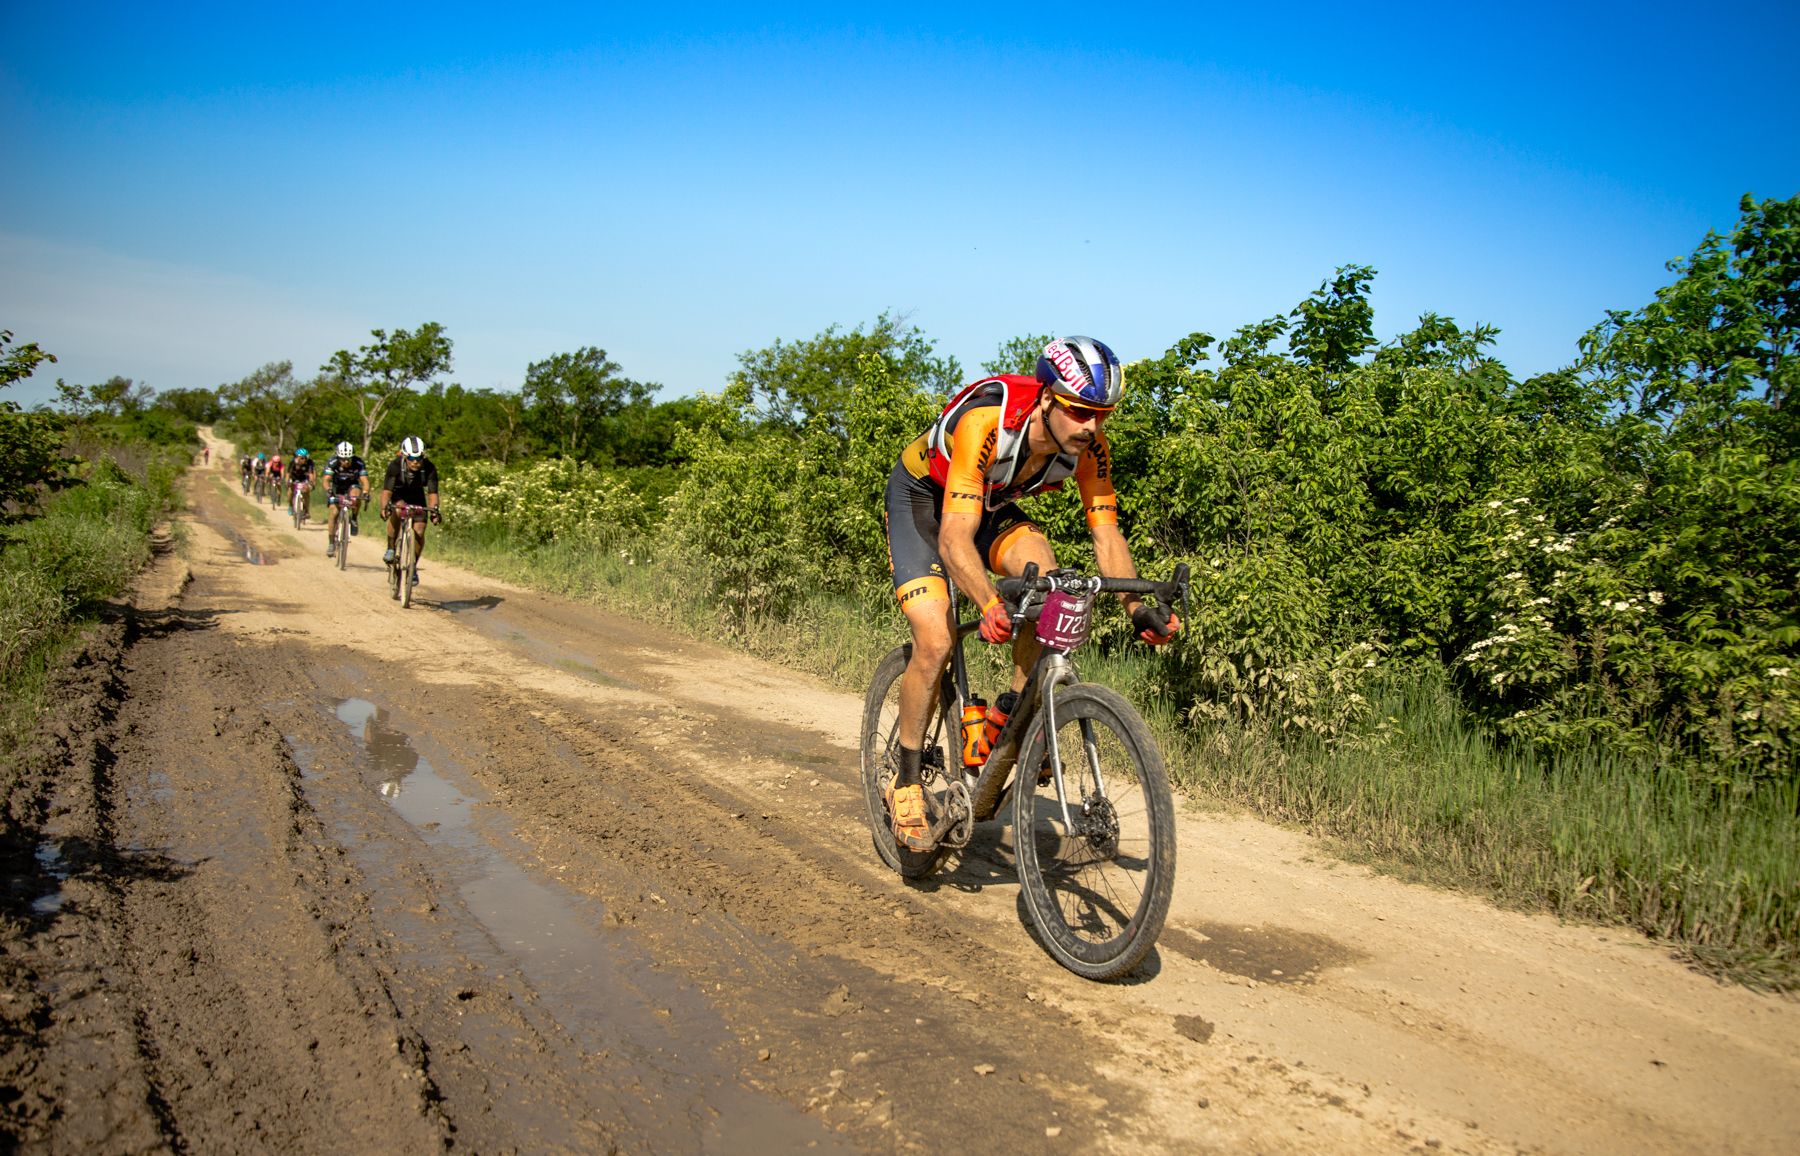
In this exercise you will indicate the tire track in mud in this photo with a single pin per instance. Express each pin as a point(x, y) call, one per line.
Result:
point(195, 1002)
point(870, 1011)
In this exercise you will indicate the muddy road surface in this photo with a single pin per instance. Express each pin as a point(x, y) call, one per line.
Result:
point(311, 873)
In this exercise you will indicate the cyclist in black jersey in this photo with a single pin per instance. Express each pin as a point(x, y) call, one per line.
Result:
point(299, 473)
point(411, 478)
point(347, 480)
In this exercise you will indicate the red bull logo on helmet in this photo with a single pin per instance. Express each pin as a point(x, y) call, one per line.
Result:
point(1068, 367)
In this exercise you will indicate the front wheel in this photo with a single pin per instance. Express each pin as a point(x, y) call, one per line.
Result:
point(342, 530)
point(407, 562)
point(1097, 860)
point(880, 744)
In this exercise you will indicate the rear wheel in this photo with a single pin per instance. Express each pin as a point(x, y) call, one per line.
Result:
point(1097, 861)
point(939, 763)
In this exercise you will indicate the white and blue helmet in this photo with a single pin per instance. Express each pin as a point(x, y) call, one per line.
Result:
point(1081, 371)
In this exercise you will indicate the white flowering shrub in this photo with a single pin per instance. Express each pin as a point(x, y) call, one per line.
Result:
point(542, 501)
point(1578, 647)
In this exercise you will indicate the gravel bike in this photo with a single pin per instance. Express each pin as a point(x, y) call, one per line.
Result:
point(402, 571)
point(341, 532)
point(1093, 820)
point(299, 502)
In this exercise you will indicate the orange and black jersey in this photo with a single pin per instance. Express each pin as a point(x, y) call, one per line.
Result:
point(977, 449)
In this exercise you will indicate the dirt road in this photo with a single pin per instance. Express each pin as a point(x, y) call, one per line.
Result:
point(501, 873)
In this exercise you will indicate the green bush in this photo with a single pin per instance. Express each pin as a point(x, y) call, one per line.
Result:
point(544, 500)
point(90, 540)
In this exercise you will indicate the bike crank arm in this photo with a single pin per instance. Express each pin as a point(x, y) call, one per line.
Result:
point(957, 823)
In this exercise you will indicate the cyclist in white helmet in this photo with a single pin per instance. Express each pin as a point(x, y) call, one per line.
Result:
point(411, 478)
point(950, 509)
point(346, 484)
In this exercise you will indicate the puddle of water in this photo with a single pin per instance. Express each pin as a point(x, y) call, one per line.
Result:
point(1266, 954)
point(602, 990)
point(50, 860)
point(251, 554)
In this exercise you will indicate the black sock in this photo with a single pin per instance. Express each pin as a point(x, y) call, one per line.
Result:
point(909, 768)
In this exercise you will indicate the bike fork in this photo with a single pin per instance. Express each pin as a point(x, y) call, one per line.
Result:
point(1058, 670)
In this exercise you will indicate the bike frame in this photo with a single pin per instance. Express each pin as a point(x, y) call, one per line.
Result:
point(405, 550)
point(989, 788)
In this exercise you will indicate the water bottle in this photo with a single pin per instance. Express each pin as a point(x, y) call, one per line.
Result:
point(997, 716)
point(974, 737)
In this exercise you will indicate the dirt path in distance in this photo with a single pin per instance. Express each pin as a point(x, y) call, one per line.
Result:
point(502, 872)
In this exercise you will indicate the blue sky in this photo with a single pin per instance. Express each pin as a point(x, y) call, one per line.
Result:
point(197, 189)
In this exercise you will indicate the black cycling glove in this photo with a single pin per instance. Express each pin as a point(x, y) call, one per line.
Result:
point(1151, 623)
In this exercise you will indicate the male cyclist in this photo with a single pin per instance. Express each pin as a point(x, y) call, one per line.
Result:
point(950, 509)
point(260, 468)
point(299, 474)
point(346, 481)
point(244, 462)
point(413, 479)
point(274, 476)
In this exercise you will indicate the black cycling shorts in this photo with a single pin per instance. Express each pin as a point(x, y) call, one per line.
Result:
point(912, 516)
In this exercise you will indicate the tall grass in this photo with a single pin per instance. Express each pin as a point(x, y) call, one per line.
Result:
point(58, 568)
point(1710, 865)
point(89, 541)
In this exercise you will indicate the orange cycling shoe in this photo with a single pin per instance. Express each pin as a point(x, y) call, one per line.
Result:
point(906, 806)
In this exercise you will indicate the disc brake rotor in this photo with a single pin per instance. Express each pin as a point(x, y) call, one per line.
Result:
point(1100, 825)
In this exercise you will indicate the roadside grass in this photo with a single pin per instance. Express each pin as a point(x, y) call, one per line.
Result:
point(58, 568)
point(1709, 865)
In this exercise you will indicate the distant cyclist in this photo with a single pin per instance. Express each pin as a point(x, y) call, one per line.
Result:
point(950, 511)
point(275, 473)
point(244, 464)
point(260, 467)
point(299, 474)
point(411, 478)
point(347, 480)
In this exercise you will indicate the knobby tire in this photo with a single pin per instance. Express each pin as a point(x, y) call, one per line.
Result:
point(1098, 903)
point(406, 562)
